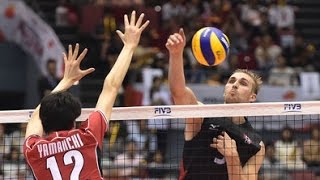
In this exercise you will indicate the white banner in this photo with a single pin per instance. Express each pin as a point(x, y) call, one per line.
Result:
point(21, 25)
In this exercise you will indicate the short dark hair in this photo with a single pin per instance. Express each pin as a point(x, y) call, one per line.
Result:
point(58, 111)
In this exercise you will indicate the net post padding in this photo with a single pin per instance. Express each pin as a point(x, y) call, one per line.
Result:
point(186, 111)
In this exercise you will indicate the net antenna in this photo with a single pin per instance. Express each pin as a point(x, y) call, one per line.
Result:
point(186, 111)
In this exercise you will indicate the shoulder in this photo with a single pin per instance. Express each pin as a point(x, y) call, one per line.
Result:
point(32, 140)
point(97, 115)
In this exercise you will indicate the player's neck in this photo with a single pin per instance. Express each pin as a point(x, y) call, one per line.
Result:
point(238, 120)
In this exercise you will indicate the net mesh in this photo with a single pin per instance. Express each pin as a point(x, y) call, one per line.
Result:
point(153, 148)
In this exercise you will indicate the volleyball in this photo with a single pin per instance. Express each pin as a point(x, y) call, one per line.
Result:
point(210, 46)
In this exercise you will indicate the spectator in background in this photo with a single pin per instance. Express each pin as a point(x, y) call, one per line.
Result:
point(128, 162)
point(66, 14)
point(287, 150)
point(4, 147)
point(62, 14)
point(285, 17)
point(271, 167)
point(311, 148)
point(144, 138)
point(158, 95)
point(215, 12)
point(266, 52)
point(107, 25)
point(145, 53)
point(214, 79)
point(12, 167)
point(234, 29)
point(194, 9)
point(154, 166)
point(114, 139)
point(157, 158)
point(250, 13)
point(173, 9)
point(281, 74)
point(14, 138)
point(281, 15)
point(48, 82)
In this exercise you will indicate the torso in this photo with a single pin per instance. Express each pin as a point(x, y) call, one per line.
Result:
point(200, 161)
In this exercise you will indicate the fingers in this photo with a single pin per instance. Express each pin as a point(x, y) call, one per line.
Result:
point(216, 143)
point(226, 135)
point(179, 38)
point(70, 52)
point(140, 20)
point(220, 137)
point(120, 34)
point(145, 25)
point(169, 42)
point(82, 55)
point(126, 20)
point(76, 51)
point(181, 32)
point(65, 57)
point(133, 18)
point(88, 71)
point(174, 39)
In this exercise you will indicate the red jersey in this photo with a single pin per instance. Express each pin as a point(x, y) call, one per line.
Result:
point(73, 154)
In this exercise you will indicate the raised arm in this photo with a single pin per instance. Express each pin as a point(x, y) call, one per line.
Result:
point(72, 74)
point(113, 80)
point(180, 92)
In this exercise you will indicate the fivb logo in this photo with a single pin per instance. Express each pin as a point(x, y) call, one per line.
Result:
point(162, 111)
point(292, 107)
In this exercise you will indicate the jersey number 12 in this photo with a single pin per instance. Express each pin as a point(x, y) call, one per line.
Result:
point(68, 158)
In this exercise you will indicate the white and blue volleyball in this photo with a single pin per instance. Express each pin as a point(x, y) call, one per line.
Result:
point(210, 46)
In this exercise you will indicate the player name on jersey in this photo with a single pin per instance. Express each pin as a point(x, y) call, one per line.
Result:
point(68, 143)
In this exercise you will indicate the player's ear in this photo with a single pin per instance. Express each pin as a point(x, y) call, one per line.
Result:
point(253, 98)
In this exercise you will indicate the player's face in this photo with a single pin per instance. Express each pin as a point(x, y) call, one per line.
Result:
point(239, 89)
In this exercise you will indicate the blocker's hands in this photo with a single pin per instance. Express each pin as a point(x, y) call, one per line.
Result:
point(132, 29)
point(72, 71)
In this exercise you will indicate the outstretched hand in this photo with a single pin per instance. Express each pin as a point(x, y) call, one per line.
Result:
point(72, 71)
point(133, 29)
point(176, 42)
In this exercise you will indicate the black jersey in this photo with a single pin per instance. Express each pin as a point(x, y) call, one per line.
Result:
point(200, 161)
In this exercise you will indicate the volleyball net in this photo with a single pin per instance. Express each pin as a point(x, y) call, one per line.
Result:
point(148, 141)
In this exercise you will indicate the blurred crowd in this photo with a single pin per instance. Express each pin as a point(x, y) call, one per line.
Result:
point(262, 34)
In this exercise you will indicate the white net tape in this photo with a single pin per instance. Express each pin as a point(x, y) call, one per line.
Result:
point(187, 111)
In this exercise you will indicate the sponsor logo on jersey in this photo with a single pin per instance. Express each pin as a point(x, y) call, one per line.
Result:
point(247, 140)
point(214, 127)
point(219, 161)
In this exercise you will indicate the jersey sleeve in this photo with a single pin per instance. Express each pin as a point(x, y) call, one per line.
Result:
point(96, 124)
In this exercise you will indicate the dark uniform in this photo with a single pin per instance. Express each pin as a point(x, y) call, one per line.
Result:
point(200, 161)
